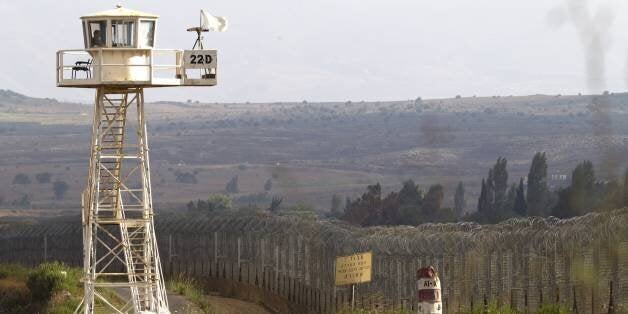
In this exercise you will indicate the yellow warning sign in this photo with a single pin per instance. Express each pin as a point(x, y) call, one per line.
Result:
point(354, 268)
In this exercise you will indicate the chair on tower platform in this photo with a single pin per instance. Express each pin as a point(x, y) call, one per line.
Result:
point(84, 66)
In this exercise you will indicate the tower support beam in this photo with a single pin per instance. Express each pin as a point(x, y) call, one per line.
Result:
point(119, 245)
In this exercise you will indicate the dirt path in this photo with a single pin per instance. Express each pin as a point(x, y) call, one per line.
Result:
point(222, 305)
point(176, 303)
point(179, 304)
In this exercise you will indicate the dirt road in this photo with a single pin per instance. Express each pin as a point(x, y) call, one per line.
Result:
point(219, 305)
point(222, 305)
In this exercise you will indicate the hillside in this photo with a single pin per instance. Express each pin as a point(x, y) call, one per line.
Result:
point(312, 150)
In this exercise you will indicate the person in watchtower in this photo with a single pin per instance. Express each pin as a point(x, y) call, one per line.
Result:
point(97, 40)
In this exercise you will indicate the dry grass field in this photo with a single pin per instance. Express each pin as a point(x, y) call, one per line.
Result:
point(313, 150)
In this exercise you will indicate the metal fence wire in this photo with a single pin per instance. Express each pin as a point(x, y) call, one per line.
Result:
point(523, 262)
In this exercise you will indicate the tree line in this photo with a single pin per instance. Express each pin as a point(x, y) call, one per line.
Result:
point(498, 200)
point(408, 206)
point(226, 200)
point(59, 188)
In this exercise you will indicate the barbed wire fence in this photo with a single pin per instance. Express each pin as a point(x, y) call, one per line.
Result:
point(521, 263)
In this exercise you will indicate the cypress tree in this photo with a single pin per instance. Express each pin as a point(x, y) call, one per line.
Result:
point(500, 182)
point(520, 207)
point(433, 200)
point(232, 185)
point(482, 199)
point(410, 194)
point(581, 196)
point(511, 197)
point(408, 208)
point(459, 202)
point(537, 186)
point(336, 205)
point(490, 193)
point(493, 194)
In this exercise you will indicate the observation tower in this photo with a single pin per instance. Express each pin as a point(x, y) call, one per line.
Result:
point(119, 60)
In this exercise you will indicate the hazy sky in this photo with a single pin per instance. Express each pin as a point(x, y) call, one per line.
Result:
point(292, 50)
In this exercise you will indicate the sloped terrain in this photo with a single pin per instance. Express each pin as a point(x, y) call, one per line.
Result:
point(313, 150)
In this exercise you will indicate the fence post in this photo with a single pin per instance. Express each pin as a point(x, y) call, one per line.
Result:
point(170, 253)
point(45, 247)
point(216, 247)
point(575, 303)
point(592, 300)
point(277, 266)
point(318, 300)
point(264, 278)
point(239, 252)
point(611, 304)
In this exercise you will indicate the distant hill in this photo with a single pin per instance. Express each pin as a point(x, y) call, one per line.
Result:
point(313, 150)
point(13, 103)
point(8, 96)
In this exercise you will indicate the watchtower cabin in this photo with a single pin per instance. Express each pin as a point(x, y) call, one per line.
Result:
point(120, 51)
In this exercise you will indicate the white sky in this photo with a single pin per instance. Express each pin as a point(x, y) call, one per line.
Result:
point(291, 50)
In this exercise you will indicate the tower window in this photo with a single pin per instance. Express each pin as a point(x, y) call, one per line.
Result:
point(122, 33)
point(147, 33)
point(97, 34)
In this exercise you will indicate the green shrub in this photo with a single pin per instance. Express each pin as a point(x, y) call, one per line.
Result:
point(43, 177)
point(21, 178)
point(48, 278)
point(66, 307)
point(188, 288)
point(14, 296)
point(492, 308)
point(51, 288)
point(16, 299)
point(13, 270)
point(365, 311)
point(552, 309)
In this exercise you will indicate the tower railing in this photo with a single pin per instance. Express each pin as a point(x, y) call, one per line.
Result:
point(161, 67)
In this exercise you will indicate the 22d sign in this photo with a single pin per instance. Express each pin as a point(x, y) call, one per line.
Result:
point(199, 59)
point(353, 269)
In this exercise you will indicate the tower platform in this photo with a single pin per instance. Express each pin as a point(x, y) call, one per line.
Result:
point(94, 67)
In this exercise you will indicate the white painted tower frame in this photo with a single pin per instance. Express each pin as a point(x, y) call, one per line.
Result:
point(120, 249)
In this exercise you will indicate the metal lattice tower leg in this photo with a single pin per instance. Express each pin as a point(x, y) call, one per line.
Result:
point(119, 246)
